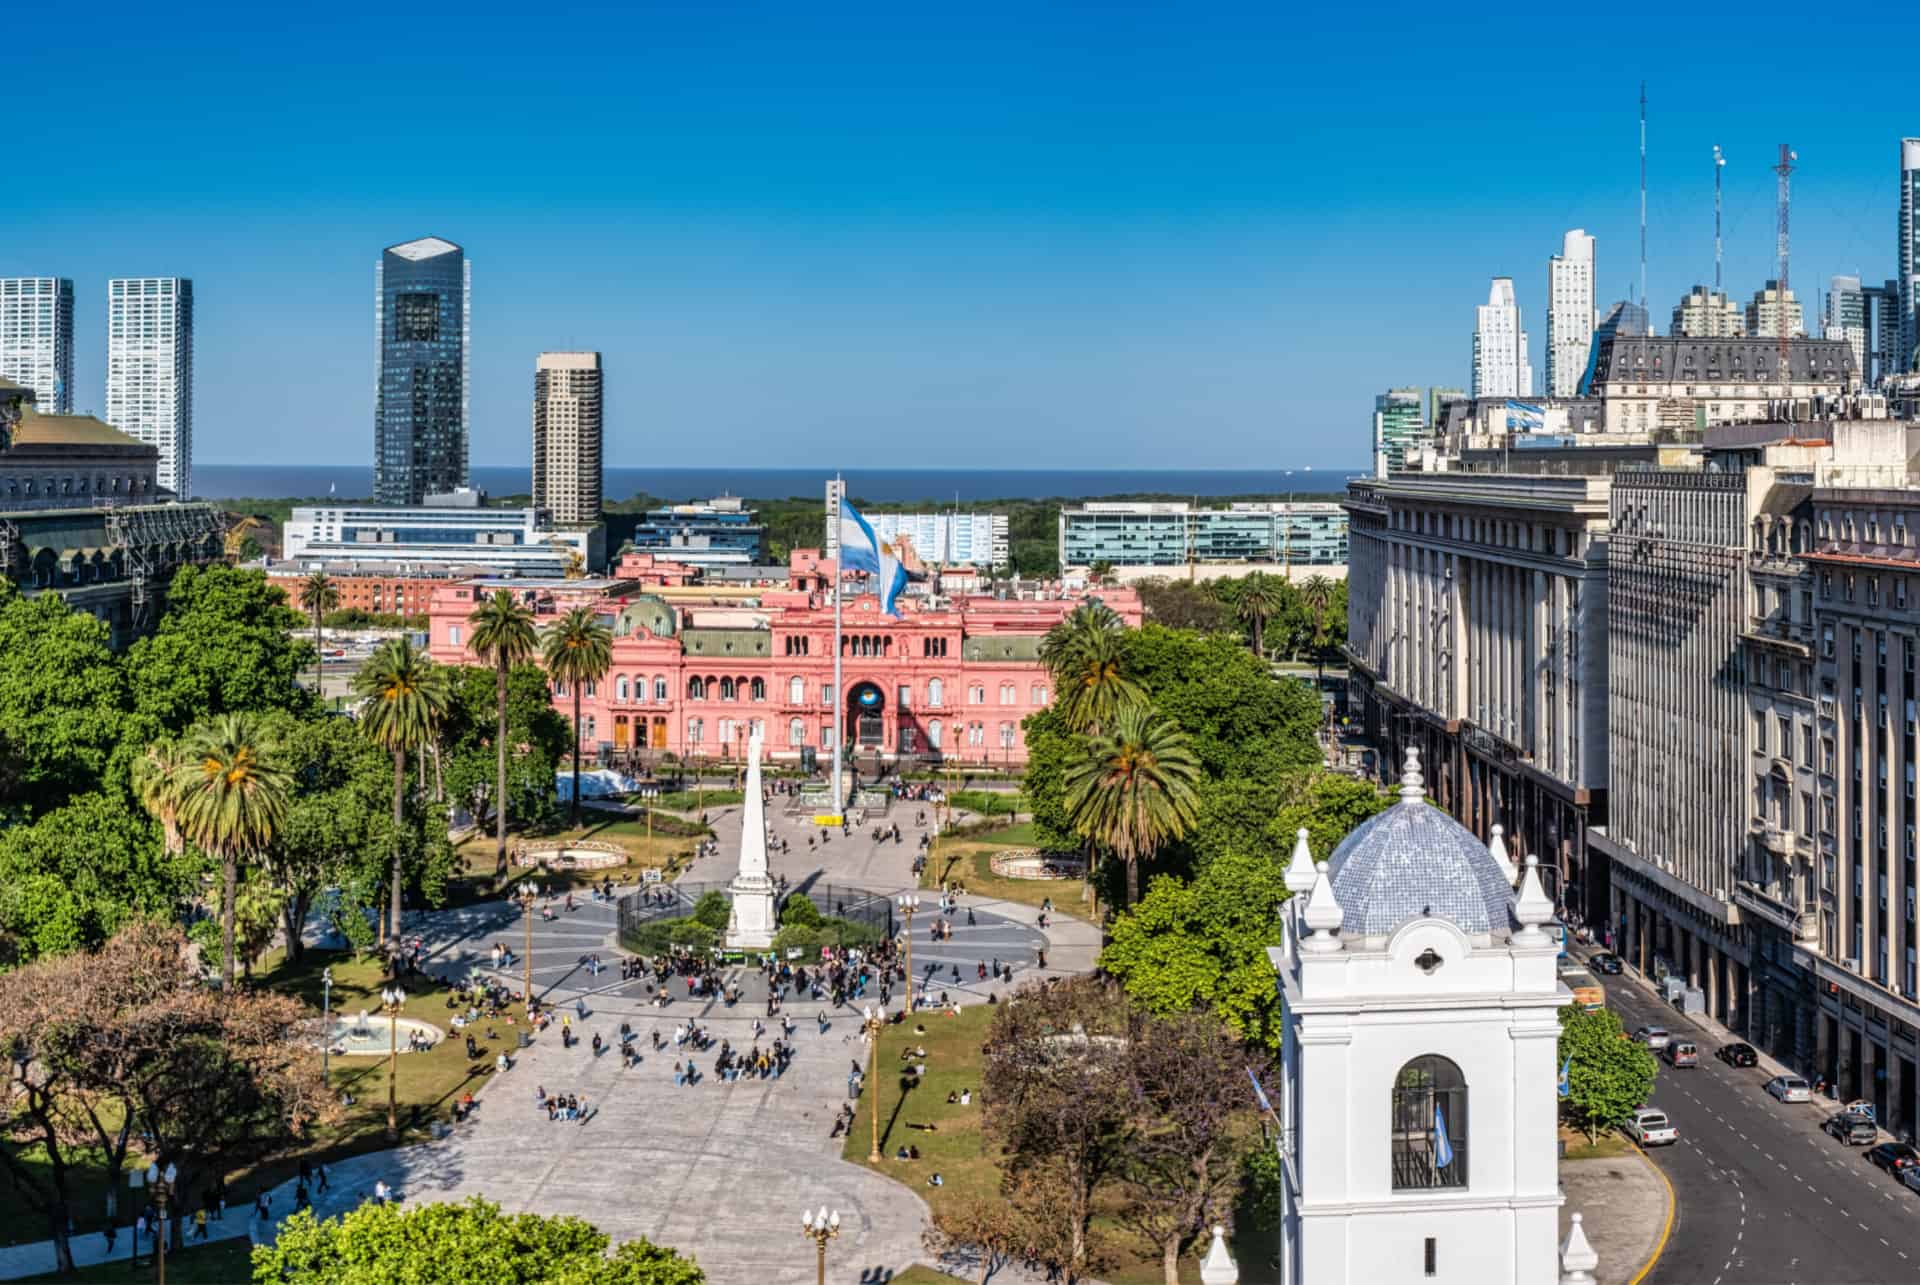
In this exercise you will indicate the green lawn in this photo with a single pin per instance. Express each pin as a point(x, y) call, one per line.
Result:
point(218, 1262)
point(695, 800)
point(663, 850)
point(956, 1148)
point(965, 861)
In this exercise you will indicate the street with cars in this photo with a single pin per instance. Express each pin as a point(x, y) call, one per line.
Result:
point(1765, 1194)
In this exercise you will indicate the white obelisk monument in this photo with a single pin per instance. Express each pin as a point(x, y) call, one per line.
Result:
point(752, 926)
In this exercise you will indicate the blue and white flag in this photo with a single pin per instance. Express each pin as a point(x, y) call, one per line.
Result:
point(1259, 1092)
point(1566, 1076)
point(1522, 418)
point(859, 546)
point(893, 578)
point(1442, 1148)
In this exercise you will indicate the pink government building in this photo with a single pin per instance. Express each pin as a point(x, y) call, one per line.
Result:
point(697, 667)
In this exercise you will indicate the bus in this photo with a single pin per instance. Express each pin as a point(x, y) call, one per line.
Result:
point(1586, 988)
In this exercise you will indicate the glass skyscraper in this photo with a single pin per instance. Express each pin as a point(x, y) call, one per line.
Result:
point(422, 311)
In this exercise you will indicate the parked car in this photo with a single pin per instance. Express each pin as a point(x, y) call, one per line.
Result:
point(1682, 1053)
point(1790, 1088)
point(1895, 1157)
point(1911, 1176)
point(1606, 962)
point(1654, 1037)
point(1739, 1053)
point(1852, 1128)
point(1651, 1128)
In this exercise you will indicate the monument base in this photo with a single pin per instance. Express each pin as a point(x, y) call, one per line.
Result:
point(752, 924)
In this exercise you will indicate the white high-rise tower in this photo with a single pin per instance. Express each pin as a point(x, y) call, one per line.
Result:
point(150, 370)
point(1570, 313)
point(36, 339)
point(1500, 364)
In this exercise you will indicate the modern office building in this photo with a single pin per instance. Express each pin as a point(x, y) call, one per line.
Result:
point(1882, 305)
point(1653, 384)
point(1437, 399)
point(567, 436)
point(1845, 317)
point(1501, 367)
point(1774, 311)
point(455, 535)
point(1399, 422)
point(1707, 313)
point(939, 539)
point(150, 370)
point(720, 532)
point(1907, 257)
point(1149, 534)
point(1570, 313)
point(423, 293)
point(36, 339)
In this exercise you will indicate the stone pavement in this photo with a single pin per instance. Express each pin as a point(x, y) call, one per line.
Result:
point(1623, 1204)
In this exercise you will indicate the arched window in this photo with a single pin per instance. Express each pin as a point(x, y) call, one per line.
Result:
point(726, 689)
point(1006, 736)
point(759, 689)
point(796, 729)
point(1039, 694)
point(696, 729)
point(620, 688)
point(1007, 696)
point(559, 687)
point(696, 690)
point(660, 689)
point(589, 688)
point(1429, 1125)
point(933, 732)
point(936, 692)
point(797, 692)
point(726, 734)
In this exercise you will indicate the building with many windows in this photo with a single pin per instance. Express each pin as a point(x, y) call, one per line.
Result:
point(1400, 423)
point(950, 539)
point(1774, 312)
point(1665, 385)
point(150, 370)
point(720, 532)
point(568, 398)
point(1501, 366)
point(455, 537)
point(1707, 313)
point(1847, 317)
point(1127, 533)
point(1906, 330)
point(36, 339)
point(422, 317)
point(1570, 313)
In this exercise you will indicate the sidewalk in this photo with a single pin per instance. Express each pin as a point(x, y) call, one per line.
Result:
point(1624, 1205)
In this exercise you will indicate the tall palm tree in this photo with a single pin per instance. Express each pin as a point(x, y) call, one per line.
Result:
point(1133, 788)
point(318, 596)
point(230, 800)
point(1086, 658)
point(503, 636)
point(404, 700)
point(577, 650)
point(1259, 600)
point(156, 782)
point(1317, 593)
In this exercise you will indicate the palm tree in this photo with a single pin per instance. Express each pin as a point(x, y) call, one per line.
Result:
point(318, 596)
point(1086, 658)
point(1317, 593)
point(578, 650)
point(230, 798)
point(405, 697)
point(156, 782)
point(1259, 599)
point(1133, 788)
point(503, 636)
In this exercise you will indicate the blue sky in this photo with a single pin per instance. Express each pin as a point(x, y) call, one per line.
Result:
point(1149, 236)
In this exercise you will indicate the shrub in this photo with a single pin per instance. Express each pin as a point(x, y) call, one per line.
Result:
point(714, 910)
point(693, 935)
point(800, 910)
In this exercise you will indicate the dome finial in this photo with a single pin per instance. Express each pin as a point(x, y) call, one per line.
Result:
point(1497, 846)
point(1299, 876)
point(1577, 1259)
point(1531, 907)
point(1323, 915)
point(1413, 786)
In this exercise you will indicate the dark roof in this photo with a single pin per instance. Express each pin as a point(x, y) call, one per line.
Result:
point(36, 429)
point(1652, 359)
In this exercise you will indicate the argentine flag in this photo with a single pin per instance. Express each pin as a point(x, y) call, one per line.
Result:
point(863, 551)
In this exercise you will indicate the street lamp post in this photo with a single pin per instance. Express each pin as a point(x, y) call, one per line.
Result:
point(161, 1181)
point(326, 1022)
point(527, 893)
point(820, 1228)
point(874, 1020)
point(908, 903)
point(391, 999)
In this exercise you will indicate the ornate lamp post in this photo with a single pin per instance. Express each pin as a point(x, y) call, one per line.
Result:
point(161, 1181)
point(820, 1228)
point(391, 1000)
point(873, 1021)
point(526, 893)
point(908, 903)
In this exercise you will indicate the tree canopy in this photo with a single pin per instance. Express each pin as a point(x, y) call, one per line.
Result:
point(226, 643)
point(1608, 1075)
point(63, 701)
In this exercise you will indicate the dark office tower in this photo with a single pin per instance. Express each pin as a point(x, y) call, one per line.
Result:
point(422, 309)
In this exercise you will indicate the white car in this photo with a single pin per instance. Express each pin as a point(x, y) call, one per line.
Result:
point(1651, 1128)
point(1790, 1088)
point(1654, 1037)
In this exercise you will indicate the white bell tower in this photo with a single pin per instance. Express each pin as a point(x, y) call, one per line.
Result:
point(1419, 1089)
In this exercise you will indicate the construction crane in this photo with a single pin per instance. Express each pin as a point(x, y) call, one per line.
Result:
point(237, 534)
point(1783, 199)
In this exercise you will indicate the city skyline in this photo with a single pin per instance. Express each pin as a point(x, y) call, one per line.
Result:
point(1020, 258)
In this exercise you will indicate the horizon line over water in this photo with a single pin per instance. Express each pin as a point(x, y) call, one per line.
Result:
point(935, 487)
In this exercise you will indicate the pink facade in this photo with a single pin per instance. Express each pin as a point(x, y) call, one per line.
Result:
point(694, 670)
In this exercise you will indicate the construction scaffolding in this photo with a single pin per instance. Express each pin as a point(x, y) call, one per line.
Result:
point(152, 538)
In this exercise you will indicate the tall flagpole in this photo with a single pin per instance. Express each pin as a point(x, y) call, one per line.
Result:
point(839, 698)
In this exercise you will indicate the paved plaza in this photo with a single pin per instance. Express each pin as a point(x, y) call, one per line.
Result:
point(718, 1170)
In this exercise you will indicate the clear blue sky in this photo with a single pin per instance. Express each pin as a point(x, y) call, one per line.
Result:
point(1114, 235)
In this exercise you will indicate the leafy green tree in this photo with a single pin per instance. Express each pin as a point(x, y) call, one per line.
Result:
point(714, 910)
point(577, 650)
point(62, 700)
point(1327, 805)
point(1131, 790)
point(229, 800)
point(1203, 944)
point(1178, 604)
point(337, 832)
point(1085, 655)
point(404, 697)
point(472, 1242)
point(318, 597)
point(1608, 1075)
point(502, 636)
point(225, 644)
point(73, 876)
point(1243, 720)
point(800, 910)
point(1049, 746)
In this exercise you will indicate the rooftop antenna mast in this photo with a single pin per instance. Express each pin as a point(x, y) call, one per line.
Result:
point(1784, 199)
point(1719, 163)
point(1643, 195)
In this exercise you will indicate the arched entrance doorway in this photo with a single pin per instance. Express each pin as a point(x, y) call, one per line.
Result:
point(867, 716)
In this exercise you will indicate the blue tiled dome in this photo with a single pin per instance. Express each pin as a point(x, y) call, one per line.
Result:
point(1414, 861)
